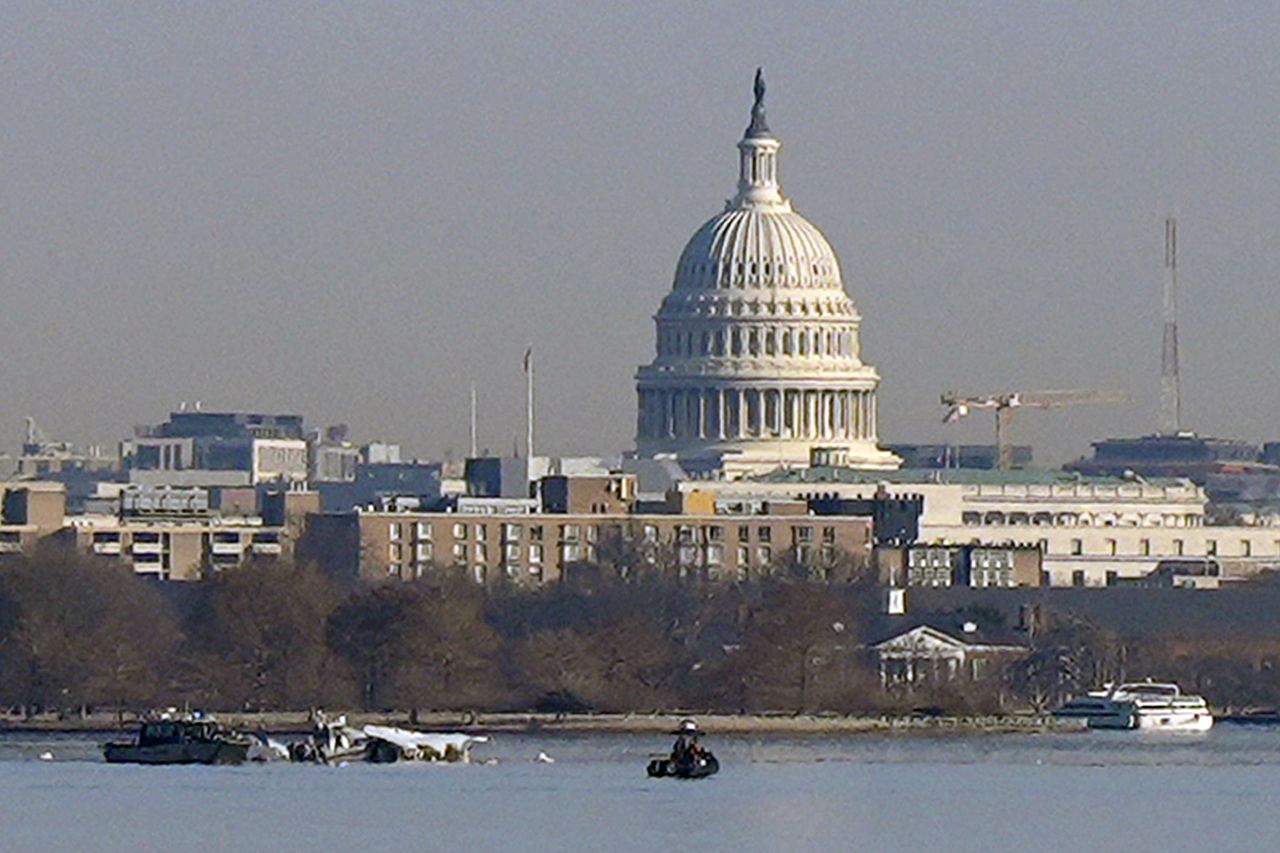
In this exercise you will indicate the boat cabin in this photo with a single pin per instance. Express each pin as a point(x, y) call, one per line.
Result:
point(157, 732)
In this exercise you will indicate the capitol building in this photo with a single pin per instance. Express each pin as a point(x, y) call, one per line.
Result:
point(758, 363)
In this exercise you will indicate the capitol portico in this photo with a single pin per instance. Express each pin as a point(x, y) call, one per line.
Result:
point(758, 363)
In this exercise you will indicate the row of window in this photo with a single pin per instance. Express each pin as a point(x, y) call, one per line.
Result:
point(755, 342)
point(568, 532)
point(1080, 519)
point(790, 271)
point(1177, 548)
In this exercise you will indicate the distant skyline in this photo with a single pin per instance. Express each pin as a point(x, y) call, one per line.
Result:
point(354, 212)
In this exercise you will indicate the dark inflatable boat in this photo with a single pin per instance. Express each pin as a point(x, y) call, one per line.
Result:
point(693, 768)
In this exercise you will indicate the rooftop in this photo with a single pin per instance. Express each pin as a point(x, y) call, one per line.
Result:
point(951, 476)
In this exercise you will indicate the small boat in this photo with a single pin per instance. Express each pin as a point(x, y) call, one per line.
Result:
point(695, 768)
point(688, 760)
point(191, 739)
point(1143, 705)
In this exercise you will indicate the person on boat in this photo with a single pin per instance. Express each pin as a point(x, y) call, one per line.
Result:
point(686, 747)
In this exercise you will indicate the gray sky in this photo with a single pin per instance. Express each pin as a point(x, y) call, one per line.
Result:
point(352, 211)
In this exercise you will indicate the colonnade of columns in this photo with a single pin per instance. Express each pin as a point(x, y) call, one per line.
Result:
point(731, 413)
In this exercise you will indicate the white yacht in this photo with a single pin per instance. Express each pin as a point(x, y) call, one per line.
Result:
point(1146, 705)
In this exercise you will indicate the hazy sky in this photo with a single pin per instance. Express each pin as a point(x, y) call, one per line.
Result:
point(353, 211)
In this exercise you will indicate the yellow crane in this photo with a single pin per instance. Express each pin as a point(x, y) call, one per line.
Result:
point(1005, 405)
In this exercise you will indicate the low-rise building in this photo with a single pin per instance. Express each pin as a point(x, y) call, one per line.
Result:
point(30, 510)
point(175, 549)
point(202, 448)
point(977, 566)
point(1088, 529)
point(925, 656)
point(590, 519)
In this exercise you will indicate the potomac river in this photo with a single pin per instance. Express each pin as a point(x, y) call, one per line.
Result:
point(1057, 791)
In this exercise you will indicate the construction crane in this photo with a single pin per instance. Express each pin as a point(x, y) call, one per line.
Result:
point(1007, 404)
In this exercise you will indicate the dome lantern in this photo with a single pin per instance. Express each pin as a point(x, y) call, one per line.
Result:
point(758, 158)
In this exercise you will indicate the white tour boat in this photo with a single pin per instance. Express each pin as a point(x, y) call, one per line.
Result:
point(1145, 705)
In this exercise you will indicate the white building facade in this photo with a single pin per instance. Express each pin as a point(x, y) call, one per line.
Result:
point(1090, 530)
point(758, 361)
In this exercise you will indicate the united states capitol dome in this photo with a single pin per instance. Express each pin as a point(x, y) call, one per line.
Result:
point(757, 359)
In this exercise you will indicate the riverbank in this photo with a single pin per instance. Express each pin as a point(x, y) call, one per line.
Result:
point(780, 724)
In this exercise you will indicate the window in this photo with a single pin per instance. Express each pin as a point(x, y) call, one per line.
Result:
point(803, 533)
point(424, 530)
point(535, 533)
point(393, 532)
point(765, 534)
point(482, 533)
point(512, 552)
point(535, 553)
point(1111, 547)
point(1144, 547)
point(829, 535)
point(593, 533)
point(765, 554)
point(425, 551)
point(1211, 547)
point(460, 553)
point(393, 552)
point(744, 555)
point(650, 533)
point(744, 532)
point(715, 554)
point(1077, 547)
point(482, 552)
point(569, 532)
point(510, 531)
point(459, 531)
point(1177, 547)
point(1246, 548)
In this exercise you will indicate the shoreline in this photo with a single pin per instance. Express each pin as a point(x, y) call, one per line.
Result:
point(298, 722)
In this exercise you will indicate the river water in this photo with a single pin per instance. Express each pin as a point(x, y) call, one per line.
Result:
point(1089, 791)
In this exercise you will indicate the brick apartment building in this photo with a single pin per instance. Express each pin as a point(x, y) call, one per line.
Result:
point(585, 519)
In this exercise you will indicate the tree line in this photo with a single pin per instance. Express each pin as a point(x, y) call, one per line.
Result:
point(85, 633)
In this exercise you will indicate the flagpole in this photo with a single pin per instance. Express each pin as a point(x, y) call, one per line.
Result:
point(528, 440)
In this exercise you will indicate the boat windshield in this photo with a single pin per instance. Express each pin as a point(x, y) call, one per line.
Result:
point(1156, 689)
point(153, 733)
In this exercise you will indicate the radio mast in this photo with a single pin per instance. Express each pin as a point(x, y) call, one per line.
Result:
point(1170, 384)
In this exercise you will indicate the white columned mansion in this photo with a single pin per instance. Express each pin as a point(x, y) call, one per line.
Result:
point(758, 361)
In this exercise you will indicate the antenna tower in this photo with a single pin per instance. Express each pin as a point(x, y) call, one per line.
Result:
point(1170, 383)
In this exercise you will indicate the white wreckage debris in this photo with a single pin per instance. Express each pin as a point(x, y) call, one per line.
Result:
point(334, 742)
